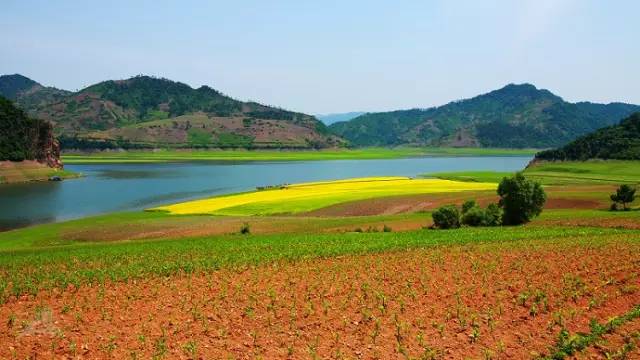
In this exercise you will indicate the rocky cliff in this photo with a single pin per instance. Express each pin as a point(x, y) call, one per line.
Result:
point(24, 138)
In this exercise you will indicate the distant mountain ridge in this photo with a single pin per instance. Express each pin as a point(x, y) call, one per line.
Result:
point(515, 116)
point(144, 111)
point(621, 141)
point(329, 119)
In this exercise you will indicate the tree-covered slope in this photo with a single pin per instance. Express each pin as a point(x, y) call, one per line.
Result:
point(24, 138)
point(620, 142)
point(514, 116)
point(104, 114)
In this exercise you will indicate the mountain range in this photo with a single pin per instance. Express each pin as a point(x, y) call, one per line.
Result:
point(148, 112)
point(145, 111)
point(515, 116)
point(329, 119)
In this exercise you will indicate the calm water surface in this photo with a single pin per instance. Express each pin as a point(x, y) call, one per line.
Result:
point(121, 187)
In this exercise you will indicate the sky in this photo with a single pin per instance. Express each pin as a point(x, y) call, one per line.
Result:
point(332, 56)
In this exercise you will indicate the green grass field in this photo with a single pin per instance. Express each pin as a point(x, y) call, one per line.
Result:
point(561, 173)
point(283, 155)
point(30, 269)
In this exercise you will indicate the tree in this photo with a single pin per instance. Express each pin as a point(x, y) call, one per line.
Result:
point(446, 217)
point(624, 195)
point(520, 199)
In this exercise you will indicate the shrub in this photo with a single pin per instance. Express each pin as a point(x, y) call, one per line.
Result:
point(624, 195)
point(476, 216)
point(520, 199)
point(245, 229)
point(493, 215)
point(386, 228)
point(468, 205)
point(446, 217)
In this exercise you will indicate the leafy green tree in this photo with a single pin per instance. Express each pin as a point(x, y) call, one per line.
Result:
point(624, 195)
point(520, 199)
point(446, 217)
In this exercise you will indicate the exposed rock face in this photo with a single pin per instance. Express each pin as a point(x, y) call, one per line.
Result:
point(24, 138)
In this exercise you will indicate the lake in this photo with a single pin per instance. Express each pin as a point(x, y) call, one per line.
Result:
point(124, 187)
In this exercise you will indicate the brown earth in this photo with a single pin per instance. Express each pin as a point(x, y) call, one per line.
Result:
point(505, 301)
point(427, 202)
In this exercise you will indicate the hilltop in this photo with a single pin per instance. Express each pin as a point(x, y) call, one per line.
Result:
point(621, 142)
point(147, 112)
point(515, 116)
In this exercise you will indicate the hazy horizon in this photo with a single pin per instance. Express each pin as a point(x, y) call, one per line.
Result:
point(335, 57)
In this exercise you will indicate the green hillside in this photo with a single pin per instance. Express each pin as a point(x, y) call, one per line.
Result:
point(103, 116)
point(515, 116)
point(620, 142)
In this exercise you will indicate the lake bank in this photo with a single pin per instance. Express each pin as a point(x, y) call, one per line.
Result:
point(106, 188)
point(27, 171)
point(158, 156)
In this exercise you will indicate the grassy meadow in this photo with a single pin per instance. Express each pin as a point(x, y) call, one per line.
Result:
point(561, 173)
point(142, 156)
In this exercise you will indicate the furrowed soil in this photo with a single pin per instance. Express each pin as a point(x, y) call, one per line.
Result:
point(500, 300)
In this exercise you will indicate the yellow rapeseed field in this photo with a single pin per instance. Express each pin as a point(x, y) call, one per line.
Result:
point(310, 196)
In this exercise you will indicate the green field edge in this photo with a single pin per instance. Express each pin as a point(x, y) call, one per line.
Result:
point(28, 271)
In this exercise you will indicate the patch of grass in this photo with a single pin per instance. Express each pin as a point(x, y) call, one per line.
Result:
point(471, 176)
point(310, 196)
point(284, 155)
point(561, 173)
point(576, 172)
point(198, 137)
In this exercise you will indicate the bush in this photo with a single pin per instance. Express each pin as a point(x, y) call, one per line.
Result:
point(624, 195)
point(476, 216)
point(446, 217)
point(520, 199)
point(386, 228)
point(493, 215)
point(468, 205)
point(245, 229)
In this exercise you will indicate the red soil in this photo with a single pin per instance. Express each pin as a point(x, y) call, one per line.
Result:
point(505, 301)
point(415, 203)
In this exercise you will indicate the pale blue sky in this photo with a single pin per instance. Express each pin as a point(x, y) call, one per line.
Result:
point(332, 56)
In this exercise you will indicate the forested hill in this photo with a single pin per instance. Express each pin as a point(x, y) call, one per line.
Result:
point(514, 116)
point(146, 111)
point(24, 138)
point(620, 141)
